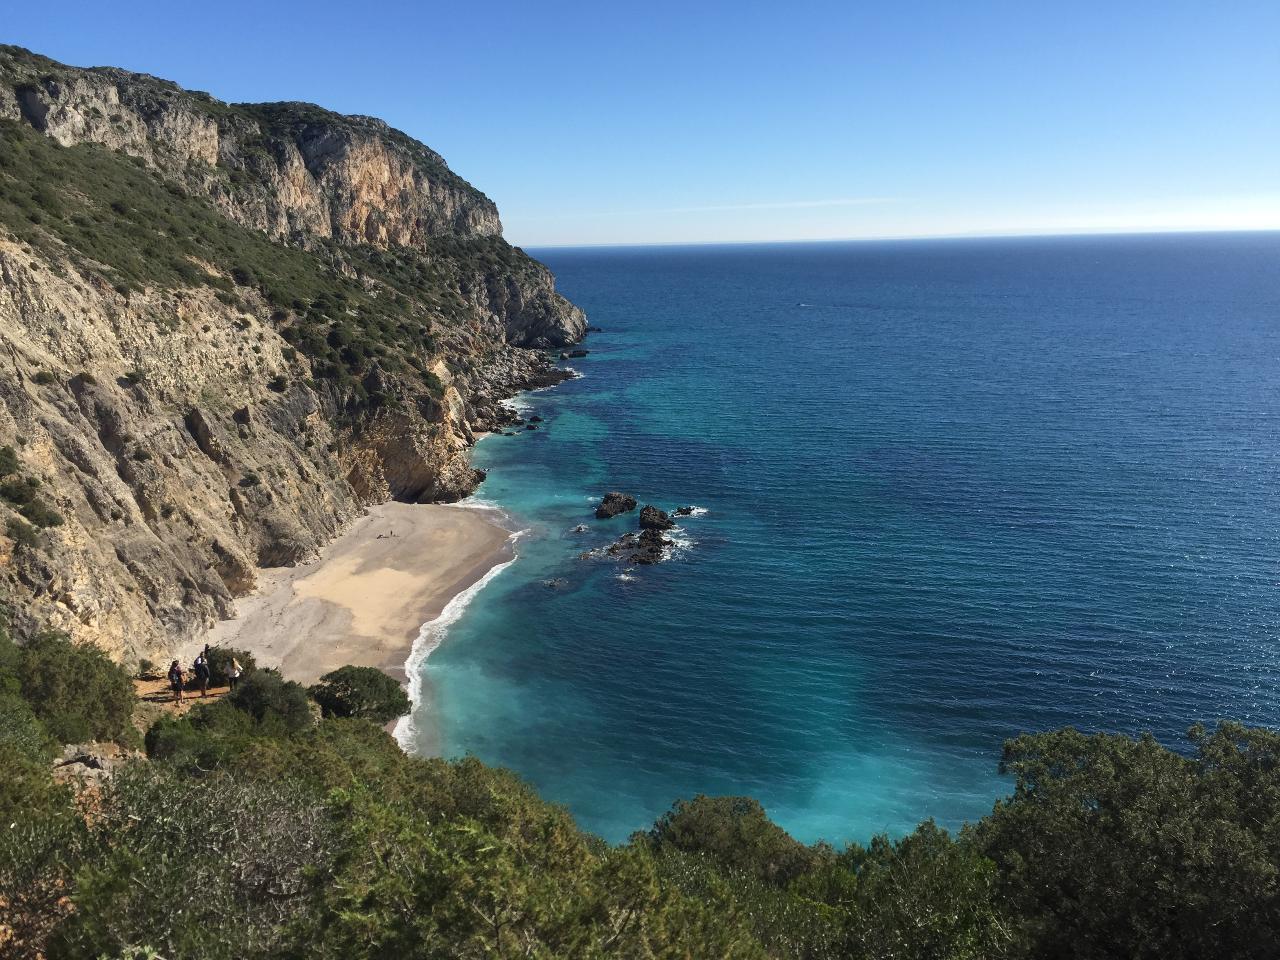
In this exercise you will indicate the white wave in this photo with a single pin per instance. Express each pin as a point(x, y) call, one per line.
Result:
point(478, 503)
point(699, 512)
point(430, 636)
point(680, 542)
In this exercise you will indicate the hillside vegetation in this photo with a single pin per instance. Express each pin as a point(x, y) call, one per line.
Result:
point(257, 829)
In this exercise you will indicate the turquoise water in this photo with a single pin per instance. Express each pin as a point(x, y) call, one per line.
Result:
point(955, 490)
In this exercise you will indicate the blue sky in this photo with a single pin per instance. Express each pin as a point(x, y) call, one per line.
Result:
point(691, 122)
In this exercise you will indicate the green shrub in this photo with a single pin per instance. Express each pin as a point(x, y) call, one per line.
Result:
point(362, 692)
point(209, 737)
point(272, 700)
point(22, 730)
point(41, 514)
point(925, 895)
point(8, 461)
point(208, 868)
point(21, 533)
point(19, 492)
point(44, 378)
point(736, 832)
point(76, 690)
point(1116, 847)
point(220, 663)
point(43, 842)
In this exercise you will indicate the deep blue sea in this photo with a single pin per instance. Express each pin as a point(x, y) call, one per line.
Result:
point(954, 490)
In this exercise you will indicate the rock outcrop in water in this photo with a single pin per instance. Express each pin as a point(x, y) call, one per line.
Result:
point(613, 504)
point(646, 547)
point(225, 330)
point(651, 518)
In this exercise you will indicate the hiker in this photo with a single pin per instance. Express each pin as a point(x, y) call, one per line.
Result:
point(176, 680)
point(233, 673)
point(201, 667)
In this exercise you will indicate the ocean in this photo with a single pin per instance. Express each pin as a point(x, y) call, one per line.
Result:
point(949, 491)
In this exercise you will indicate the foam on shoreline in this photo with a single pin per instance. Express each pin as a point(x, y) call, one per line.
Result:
point(430, 637)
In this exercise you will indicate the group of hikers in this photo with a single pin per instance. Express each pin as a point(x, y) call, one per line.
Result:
point(201, 673)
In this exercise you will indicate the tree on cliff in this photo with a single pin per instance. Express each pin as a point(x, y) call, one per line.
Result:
point(362, 692)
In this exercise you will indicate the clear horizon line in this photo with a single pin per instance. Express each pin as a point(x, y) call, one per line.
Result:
point(881, 238)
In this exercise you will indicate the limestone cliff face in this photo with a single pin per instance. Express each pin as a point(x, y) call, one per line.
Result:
point(289, 169)
point(190, 430)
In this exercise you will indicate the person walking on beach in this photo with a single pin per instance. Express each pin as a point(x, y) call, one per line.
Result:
point(176, 680)
point(201, 667)
point(233, 673)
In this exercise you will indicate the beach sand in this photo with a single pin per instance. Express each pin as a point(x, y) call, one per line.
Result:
point(365, 599)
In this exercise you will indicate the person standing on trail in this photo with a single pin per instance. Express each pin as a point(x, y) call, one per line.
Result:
point(233, 673)
point(176, 680)
point(201, 667)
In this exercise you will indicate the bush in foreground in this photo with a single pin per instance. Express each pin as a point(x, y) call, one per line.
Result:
point(220, 664)
point(76, 690)
point(257, 832)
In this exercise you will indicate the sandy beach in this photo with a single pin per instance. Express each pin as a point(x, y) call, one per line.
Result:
point(364, 600)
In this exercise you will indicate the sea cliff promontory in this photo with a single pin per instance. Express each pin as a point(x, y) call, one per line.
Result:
point(227, 329)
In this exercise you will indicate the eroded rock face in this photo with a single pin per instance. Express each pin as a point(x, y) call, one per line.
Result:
point(615, 503)
point(183, 440)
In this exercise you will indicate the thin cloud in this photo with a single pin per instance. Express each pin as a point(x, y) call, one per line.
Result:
point(780, 205)
point(729, 208)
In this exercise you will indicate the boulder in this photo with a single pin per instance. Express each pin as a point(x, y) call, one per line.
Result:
point(646, 547)
point(83, 763)
point(615, 503)
point(651, 518)
point(683, 511)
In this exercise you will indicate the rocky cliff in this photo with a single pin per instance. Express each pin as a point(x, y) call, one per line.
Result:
point(224, 330)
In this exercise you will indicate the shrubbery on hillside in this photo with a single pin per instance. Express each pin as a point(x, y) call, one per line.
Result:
point(363, 692)
point(259, 830)
point(77, 692)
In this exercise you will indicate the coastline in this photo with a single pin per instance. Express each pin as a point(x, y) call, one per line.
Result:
point(369, 596)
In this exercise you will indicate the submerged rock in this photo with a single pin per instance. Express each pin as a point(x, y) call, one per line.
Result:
point(683, 511)
point(615, 503)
